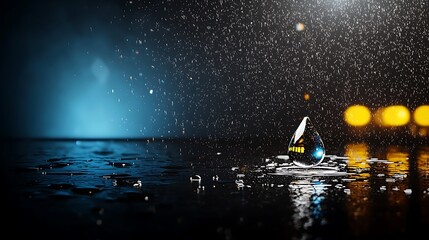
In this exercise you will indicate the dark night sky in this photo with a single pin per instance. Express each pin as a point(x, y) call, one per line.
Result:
point(205, 68)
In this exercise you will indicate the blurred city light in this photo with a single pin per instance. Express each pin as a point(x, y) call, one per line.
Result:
point(395, 116)
point(421, 115)
point(357, 115)
point(306, 96)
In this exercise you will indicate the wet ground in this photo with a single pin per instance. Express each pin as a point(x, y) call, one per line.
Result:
point(212, 190)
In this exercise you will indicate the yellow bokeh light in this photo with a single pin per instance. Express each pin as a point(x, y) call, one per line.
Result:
point(421, 115)
point(357, 115)
point(395, 116)
point(306, 97)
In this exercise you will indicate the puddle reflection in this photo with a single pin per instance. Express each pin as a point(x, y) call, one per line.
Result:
point(369, 188)
point(307, 198)
point(400, 165)
point(358, 154)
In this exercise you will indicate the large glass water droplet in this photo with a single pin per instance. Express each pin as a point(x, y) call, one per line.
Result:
point(306, 148)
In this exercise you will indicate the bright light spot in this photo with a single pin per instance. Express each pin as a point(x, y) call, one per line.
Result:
point(306, 97)
point(151, 91)
point(300, 27)
point(318, 153)
point(421, 115)
point(357, 115)
point(395, 116)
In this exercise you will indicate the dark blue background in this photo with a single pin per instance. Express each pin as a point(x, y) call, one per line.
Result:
point(141, 69)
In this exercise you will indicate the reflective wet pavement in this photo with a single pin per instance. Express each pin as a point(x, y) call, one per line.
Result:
point(213, 190)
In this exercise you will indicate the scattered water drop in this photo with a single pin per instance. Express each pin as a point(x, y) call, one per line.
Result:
point(121, 164)
point(138, 184)
point(240, 183)
point(283, 157)
point(408, 191)
point(195, 178)
point(306, 148)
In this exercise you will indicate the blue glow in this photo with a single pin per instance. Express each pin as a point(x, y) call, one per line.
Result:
point(318, 153)
point(81, 79)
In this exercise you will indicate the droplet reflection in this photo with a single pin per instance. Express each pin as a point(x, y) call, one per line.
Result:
point(306, 148)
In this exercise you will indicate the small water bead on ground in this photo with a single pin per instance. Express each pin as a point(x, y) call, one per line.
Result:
point(195, 178)
point(306, 148)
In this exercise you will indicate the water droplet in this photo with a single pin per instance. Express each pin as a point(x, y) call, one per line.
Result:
point(306, 148)
point(138, 184)
point(408, 191)
point(195, 178)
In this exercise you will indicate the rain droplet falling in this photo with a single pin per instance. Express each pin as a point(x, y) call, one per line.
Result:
point(306, 148)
